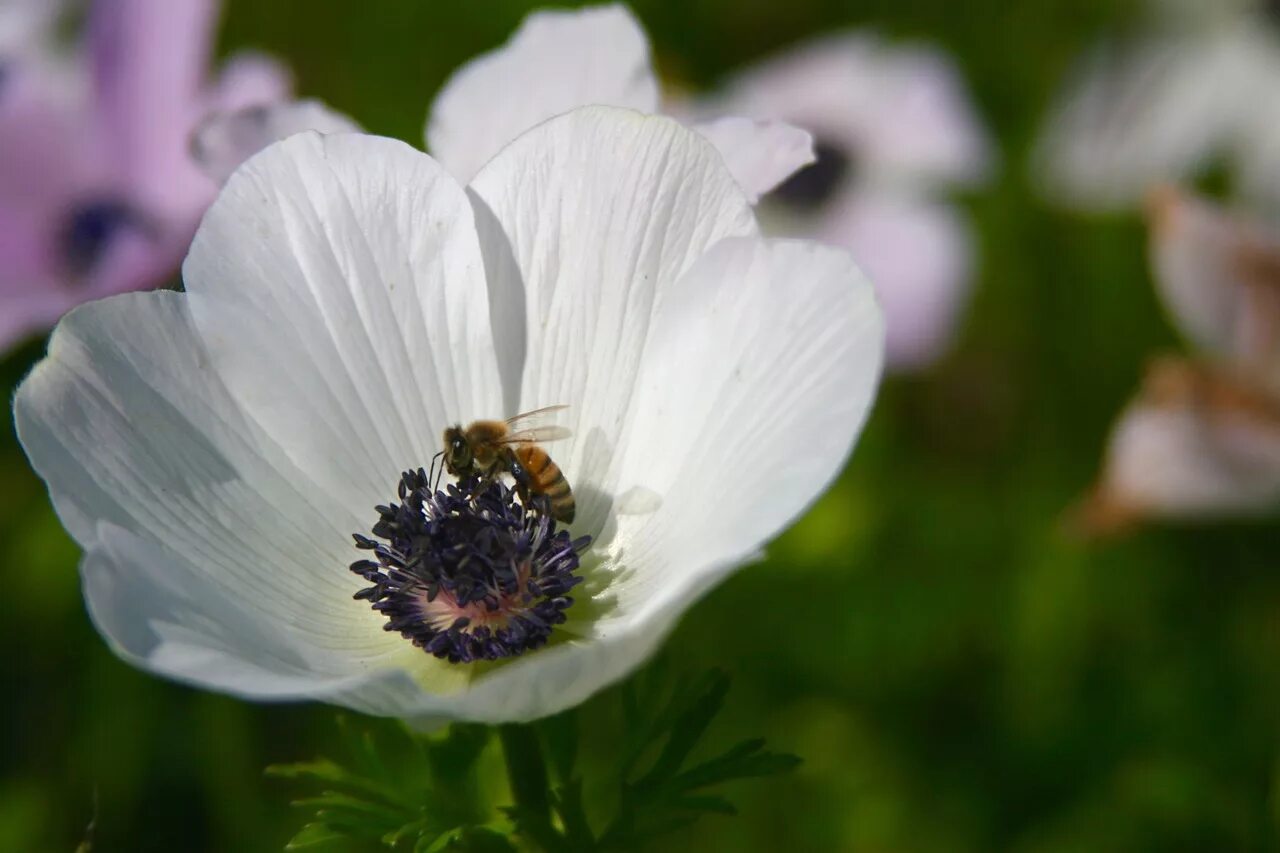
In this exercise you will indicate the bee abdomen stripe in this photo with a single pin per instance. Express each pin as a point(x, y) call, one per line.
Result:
point(558, 489)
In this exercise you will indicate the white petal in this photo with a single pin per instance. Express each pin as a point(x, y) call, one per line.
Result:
point(602, 210)
point(1191, 446)
point(759, 154)
point(554, 62)
point(339, 285)
point(1136, 116)
point(919, 257)
point(761, 370)
point(226, 139)
point(180, 498)
point(1219, 277)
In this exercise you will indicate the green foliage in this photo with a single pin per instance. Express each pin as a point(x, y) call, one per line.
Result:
point(661, 789)
point(417, 793)
point(396, 791)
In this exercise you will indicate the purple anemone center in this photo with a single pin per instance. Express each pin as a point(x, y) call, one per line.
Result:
point(468, 573)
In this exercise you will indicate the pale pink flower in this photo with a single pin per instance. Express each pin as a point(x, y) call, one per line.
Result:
point(98, 191)
point(894, 128)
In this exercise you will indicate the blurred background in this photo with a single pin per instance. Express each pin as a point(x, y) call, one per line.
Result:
point(958, 673)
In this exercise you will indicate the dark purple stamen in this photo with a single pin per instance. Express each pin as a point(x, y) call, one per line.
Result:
point(815, 184)
point(468, 573)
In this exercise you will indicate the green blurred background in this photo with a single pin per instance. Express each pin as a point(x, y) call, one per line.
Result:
point(957, 673)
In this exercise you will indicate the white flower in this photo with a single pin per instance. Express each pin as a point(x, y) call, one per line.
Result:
point(1196, 89)
point(556, 61)
point(893, 127)
point(1202, 438)
point(213, 451)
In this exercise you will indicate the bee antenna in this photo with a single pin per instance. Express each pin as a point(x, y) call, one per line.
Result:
point(434, 477)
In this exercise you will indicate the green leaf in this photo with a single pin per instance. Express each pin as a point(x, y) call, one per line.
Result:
point(454, 753)
point(314, 835)
point(568, 806)
point(560, 736)
point(480, 839)
point(662, 799)
point(324, 770)
point(395, 790)
point(746, 760)
point(713, 804)
point(688, 726)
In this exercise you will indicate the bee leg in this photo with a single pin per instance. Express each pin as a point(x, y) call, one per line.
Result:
point(482, 484)
point(519, 474)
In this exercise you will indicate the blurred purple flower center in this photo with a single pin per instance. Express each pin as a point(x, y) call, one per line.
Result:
point(814, 185)
point(89, 231)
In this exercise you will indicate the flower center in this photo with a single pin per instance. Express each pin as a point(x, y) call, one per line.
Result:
point(88, 231)
point(815, 184)
point(468, 573)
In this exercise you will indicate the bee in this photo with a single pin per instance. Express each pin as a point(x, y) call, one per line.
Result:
point(490, 448)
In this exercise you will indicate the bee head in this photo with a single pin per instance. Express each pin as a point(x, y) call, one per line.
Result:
point(457, 452)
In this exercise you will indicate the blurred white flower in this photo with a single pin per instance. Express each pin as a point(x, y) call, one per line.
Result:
point(893, 128)
point(1202, 438)
point(213, 451)
point(1198, 87)
point(557, 60)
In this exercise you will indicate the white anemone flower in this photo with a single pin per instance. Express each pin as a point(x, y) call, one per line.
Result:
point(894, 129)
point(1202, 437)
point(213, 451)
point(1196, 88)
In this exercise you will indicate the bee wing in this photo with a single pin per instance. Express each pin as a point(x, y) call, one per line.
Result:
point(525, 420)
point(529, 427)
point(536, 435)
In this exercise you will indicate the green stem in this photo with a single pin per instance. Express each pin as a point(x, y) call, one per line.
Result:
point(527, 776)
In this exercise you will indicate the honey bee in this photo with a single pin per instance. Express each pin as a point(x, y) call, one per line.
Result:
point(490, 448)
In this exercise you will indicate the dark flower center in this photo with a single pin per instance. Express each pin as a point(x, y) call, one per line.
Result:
point(815, 184)
point(468, 573)
point(89, 230)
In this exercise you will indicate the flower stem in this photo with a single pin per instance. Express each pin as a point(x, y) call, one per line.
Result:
point(527, 776)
